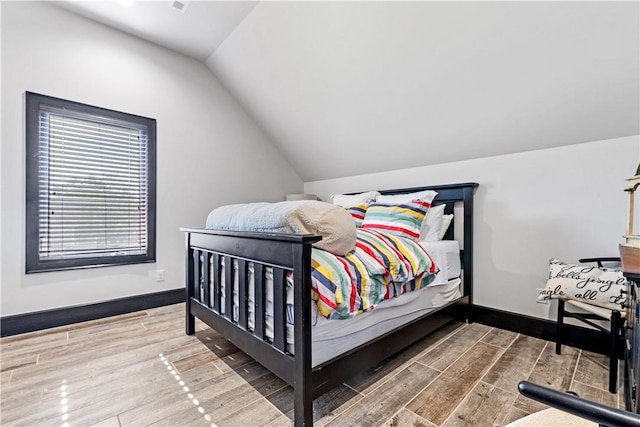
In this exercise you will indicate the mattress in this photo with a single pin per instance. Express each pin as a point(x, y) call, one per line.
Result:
point(331, 338)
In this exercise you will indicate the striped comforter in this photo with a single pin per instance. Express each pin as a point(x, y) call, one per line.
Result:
point(381, 266)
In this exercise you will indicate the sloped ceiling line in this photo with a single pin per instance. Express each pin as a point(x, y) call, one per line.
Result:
point(348, 88)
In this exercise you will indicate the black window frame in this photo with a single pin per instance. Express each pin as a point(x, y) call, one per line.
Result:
point(34, 102)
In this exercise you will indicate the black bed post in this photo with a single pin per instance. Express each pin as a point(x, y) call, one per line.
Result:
point(190, 323)
point(468, 245)
point(303, 396)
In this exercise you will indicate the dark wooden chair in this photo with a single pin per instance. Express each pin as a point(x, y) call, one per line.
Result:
point(587, 314)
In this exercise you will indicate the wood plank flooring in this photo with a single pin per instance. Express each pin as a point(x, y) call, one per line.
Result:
point(140, 369)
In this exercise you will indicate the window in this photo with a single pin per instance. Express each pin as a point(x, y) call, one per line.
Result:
point(90, 186)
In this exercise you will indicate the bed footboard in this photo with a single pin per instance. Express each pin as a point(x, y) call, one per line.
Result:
point(216, 260)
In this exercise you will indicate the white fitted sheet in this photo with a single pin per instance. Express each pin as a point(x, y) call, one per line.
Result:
point(446, 255)
point(331, 338)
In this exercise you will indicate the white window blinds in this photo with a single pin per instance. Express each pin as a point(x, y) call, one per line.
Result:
point(92, 186)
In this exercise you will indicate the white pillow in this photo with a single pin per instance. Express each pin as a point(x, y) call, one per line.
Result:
point(446, 222)
point(349, 200)
point(432, 224)
point(426, 196)
point(593, 285)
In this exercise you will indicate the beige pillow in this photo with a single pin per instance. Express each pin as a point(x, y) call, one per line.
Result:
point(332, 222)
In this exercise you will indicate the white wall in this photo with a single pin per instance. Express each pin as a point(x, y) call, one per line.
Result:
point(439, 81)
point(565, 202)
point(209, 152)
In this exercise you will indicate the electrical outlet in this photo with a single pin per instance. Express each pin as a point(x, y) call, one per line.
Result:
point(159, 275)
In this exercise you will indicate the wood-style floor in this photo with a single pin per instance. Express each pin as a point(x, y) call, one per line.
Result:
point(141, 369)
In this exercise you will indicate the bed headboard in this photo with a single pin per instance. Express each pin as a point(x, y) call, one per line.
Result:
point(460, 198)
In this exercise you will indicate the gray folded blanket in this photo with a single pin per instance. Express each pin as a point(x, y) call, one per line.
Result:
point(332, 222)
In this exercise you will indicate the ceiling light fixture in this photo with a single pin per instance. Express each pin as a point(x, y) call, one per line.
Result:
point(180, 5)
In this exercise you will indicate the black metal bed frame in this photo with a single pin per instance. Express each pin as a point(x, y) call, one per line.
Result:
point(211, 249)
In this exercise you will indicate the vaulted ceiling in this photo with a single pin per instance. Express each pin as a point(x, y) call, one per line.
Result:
point(351, 87)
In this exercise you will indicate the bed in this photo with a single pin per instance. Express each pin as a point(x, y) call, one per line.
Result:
point(279, 326)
